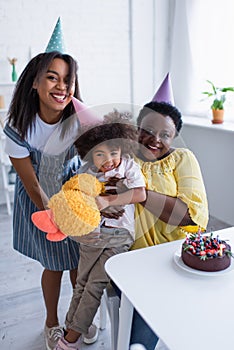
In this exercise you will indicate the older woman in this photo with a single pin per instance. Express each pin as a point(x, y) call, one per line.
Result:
point(176, 198)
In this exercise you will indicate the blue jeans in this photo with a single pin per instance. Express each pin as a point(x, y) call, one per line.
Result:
point(141, 333)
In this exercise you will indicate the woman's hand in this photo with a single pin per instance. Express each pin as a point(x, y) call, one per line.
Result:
point(113, 212)
point(117, 184)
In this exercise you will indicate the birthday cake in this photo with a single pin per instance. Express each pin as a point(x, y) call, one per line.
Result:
point(206, 253)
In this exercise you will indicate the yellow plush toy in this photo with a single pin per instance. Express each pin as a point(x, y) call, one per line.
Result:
point(73, 210)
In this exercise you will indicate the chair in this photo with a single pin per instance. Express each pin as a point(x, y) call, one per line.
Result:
point(137, 347)
point(110, 303)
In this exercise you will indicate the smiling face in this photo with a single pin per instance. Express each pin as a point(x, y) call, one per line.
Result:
point(156, 133)
point(52, 88)
point(106, 157)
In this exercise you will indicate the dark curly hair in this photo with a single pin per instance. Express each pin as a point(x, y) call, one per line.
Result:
point(116, 130)
point(163, 108)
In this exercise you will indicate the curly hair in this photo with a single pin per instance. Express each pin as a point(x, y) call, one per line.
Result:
point(163, 108)
point(115, 130)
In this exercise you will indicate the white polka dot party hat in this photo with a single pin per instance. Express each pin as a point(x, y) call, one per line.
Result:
point(56, 42)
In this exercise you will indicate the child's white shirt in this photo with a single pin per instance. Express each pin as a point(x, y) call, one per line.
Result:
point(131, 175)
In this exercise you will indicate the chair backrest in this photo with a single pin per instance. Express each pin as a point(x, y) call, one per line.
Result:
point(4, 159)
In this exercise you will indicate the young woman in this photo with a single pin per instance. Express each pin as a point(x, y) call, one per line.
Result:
point(40, 132)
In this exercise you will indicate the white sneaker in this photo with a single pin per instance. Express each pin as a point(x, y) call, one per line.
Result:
point(92, 335)
point(64, 345)
point(52, 336)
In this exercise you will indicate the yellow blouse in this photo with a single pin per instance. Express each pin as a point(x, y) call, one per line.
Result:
point(177, 175)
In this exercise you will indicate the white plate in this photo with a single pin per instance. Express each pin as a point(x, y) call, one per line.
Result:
point(179, 262)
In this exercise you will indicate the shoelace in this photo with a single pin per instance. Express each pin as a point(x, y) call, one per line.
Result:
point(56, 333)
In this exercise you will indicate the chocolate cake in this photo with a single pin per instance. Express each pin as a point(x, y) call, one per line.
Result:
point(206, 253)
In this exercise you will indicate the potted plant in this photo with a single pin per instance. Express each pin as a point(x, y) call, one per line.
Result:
point(219, 97)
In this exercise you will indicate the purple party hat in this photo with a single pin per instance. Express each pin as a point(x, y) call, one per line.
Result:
point(165, 93)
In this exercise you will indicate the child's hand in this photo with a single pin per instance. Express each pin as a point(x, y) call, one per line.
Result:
point(102, 202)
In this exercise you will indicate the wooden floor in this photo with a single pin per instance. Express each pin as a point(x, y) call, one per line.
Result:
point(21, 303)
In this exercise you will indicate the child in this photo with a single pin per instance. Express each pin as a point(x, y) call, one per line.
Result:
point(105, 149)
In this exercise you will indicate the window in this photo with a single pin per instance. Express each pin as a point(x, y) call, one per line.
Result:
point(202, 38)
point(215, 57)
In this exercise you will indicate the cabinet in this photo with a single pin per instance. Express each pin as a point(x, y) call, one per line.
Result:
point(6, 90)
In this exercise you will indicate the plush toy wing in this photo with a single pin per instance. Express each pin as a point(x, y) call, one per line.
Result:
point(43, 220)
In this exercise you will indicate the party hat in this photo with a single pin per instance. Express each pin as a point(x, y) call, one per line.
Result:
point(165, 93)
point(56, 42)
point(85, 115)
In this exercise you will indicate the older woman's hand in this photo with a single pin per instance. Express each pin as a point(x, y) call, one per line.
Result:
point(115, 185)
point(113, 212)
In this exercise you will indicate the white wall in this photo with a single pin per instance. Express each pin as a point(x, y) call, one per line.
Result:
point(111, 40)
point(114, 68)
point(213, 146)
point(97, 33)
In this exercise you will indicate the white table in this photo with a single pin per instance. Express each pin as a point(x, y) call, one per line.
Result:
point(186, 310)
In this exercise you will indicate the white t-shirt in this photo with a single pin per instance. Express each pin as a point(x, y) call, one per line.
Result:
point(46, 138)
